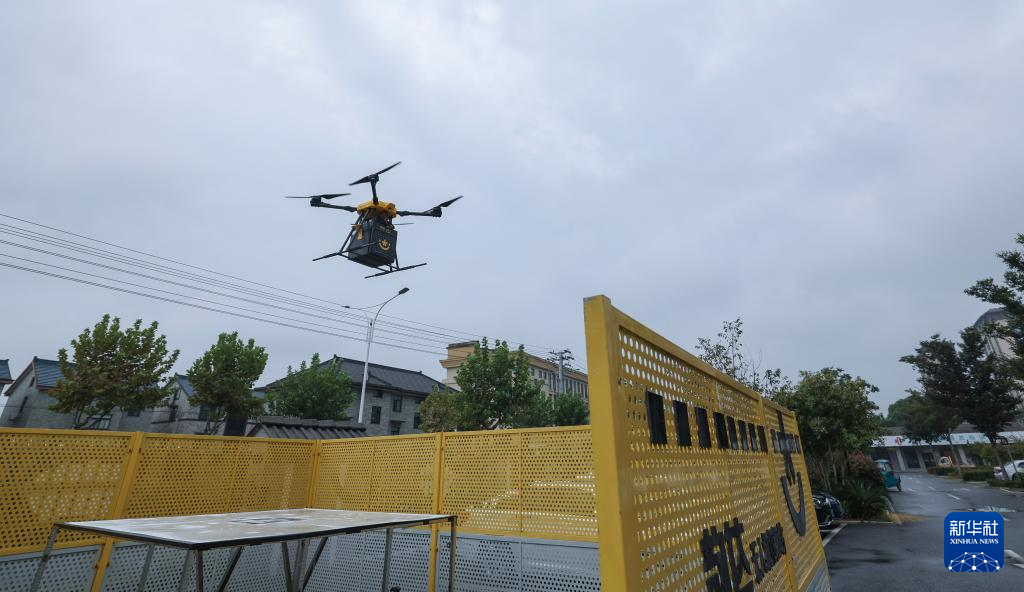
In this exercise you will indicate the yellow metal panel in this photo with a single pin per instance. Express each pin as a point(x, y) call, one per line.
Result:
point(49, 476)
point(205, 475)
point(662, 503)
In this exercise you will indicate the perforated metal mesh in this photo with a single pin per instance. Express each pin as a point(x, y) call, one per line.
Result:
point(205, 475)
point(69, 570)
point(666, 493)
point(504, 564)
point(52, 476)
point(536, 483)
point(393, 474)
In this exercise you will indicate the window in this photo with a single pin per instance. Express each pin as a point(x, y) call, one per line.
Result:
point(133, 412)
point(103, 423)
point(378, 394)
point(416, 421)
point(204, 413)
point(375, 414)
point(173, 415)
point(396, 428)
point(396, 404)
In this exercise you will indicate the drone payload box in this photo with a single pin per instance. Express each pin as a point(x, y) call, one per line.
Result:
point(373, 243)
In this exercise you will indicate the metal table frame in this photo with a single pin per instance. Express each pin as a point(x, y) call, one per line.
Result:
point(296, 574)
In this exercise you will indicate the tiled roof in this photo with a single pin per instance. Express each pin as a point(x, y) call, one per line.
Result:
point(963, 428)
point(992, 315)
point(48, 372)
point(184, 384)
point(273, 426)
point(386, 377)
point(5, 372)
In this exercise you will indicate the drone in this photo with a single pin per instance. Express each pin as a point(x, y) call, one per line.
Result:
point(373, 239)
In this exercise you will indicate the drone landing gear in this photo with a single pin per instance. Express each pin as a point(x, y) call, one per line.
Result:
point(394, 269)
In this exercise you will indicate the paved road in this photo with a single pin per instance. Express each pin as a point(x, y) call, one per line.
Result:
point(883, 557)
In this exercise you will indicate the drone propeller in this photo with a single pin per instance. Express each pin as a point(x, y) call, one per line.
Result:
point(434, 211)
point(324, 196)
point(374, 177)
point(372, 180)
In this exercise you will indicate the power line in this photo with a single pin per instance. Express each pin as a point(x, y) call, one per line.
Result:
point(443, 332)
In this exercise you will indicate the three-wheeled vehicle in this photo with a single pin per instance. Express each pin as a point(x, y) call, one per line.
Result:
point(891, 478)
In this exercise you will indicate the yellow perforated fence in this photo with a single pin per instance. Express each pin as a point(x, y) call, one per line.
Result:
point(701, 484)
point(687, 469)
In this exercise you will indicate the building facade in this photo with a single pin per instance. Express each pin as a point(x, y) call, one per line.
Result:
point(544, 372)
point(995, 344)
point(393, 397)
point(27, 403)
point(909, 455)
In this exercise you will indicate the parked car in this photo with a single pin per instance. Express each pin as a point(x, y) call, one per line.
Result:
point(827, 508)
point(945, 461)
point(1011, 470)
point(891, 478)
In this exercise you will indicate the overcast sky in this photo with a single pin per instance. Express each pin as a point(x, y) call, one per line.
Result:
point(836, 175)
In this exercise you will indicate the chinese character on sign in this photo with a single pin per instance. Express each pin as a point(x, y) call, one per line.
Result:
point(956, 528)
point(973, 527)
point(990, 528)
point(723, 553)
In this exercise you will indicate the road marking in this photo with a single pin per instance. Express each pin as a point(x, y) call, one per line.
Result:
point(908, 489)
point(832, 535)
point(952, 496)
point(1013, 492)
point(932, 488)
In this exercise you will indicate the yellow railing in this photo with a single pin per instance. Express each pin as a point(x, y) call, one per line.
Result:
point(530, 483)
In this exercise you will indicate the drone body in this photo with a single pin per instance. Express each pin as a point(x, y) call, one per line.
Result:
point(373, 239)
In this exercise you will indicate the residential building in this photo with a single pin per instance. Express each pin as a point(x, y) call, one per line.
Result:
point(544, 372)
point(909, 455)
point(28, 403)
point(5, 379)
point(995, 344)
point(178, 416)
point(393, 397)
point(274, 426)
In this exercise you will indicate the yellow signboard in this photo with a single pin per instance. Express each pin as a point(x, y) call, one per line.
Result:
point(701, 483)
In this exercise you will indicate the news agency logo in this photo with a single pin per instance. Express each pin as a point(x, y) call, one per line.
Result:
point(974, 541)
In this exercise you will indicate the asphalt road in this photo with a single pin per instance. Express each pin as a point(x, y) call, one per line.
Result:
point(884, 557)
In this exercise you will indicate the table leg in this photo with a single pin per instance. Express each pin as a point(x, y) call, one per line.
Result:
point(145, 567)
point(50, 542)
point(232, 563)
point(300, 559)
point(385, 579)
point(200, 580)
point(287, 567)
point(183, 582)
point(312, 563)
point(451, 557)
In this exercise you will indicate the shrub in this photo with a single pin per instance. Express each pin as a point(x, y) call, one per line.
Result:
point(1013, 484)
point(979, 474)
point(942, 470)
point(864, 470)
point(863, 501)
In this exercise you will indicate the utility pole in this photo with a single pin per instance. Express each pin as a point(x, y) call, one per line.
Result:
point(561, 358)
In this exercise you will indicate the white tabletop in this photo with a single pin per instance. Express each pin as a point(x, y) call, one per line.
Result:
point(207, 531)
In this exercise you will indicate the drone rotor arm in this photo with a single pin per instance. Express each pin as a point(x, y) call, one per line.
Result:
point(434, 212)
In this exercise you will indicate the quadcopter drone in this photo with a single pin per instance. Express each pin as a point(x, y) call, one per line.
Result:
point(373, 239)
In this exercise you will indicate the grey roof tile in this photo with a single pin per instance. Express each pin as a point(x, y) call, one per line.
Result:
point(5, 372)
point(275, 426)
point(48, 372)
point(386, 377)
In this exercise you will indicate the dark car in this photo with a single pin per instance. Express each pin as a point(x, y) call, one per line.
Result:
point(827, 508)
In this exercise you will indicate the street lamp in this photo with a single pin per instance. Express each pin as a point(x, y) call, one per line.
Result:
point(369, 339)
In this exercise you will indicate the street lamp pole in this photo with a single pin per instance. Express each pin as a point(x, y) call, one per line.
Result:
point(370, 323)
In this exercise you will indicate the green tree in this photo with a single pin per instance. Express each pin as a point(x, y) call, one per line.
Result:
point(316, 391)
point(1010, 296)
point(967, 379)
point(112, 368)
point(897, 415)
point(836, 417)
point(496, 391)
point(223, 377)
point(439, 412)
point(569, 409)
point(727, 354)
point(926, 420)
